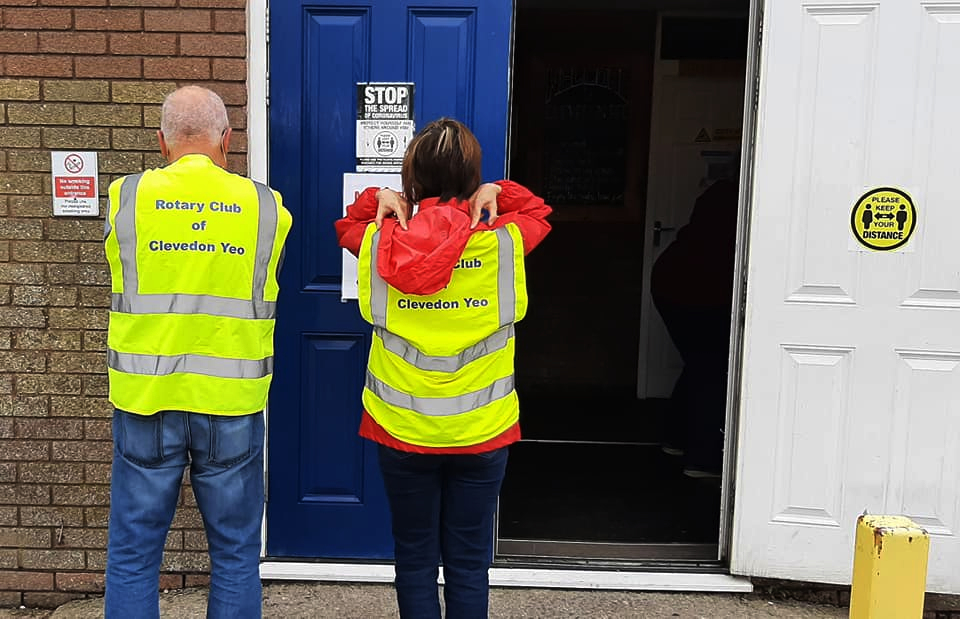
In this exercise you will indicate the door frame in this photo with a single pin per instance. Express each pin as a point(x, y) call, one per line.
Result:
point(735, 372)
point(607, 575)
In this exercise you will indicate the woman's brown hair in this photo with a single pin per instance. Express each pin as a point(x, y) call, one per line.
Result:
point(442, 161)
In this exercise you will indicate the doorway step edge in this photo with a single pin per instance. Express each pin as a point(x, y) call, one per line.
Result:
point(520, 577)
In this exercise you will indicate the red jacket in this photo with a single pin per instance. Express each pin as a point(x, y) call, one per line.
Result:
point(420, 261)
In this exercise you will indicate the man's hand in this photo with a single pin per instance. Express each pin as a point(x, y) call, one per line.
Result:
point(484, 199)
point(390, 202)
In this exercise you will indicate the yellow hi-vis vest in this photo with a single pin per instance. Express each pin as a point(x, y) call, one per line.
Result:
point(194, 252)
point(440, 372)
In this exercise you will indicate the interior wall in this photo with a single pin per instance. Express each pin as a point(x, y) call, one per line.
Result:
point(584, 281)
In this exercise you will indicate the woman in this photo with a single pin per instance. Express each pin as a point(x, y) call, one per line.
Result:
point(443, 291)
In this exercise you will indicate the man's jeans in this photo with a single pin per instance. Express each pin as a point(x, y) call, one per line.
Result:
point(225, 455)
point(442, 507)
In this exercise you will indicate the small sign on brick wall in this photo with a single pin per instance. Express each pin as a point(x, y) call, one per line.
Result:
point(75, 183)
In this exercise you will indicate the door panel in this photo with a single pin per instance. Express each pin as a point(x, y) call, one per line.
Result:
point(325, 496)
point(851, 398)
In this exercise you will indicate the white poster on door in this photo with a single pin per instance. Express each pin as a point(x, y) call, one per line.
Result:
point(353, 185)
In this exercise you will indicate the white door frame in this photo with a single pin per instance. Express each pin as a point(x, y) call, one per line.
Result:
point(613, 577)
point(735, 359)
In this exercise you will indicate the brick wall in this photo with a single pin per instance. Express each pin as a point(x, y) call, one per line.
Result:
point(85, 75)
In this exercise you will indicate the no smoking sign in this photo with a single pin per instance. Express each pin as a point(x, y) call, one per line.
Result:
point(73, 163)
point(75, 183)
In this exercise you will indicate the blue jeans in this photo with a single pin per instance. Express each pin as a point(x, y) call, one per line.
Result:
point(442, 508)
point(225, 455)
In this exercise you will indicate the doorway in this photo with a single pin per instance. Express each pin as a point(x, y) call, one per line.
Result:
point(624, 114)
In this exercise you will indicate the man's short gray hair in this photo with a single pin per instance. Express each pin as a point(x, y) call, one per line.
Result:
point(192, 114)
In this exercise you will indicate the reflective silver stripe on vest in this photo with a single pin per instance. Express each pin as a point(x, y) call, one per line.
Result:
point(130, 301)
point(191, 304)
point(378, 287)
point(162, 365)
point(415, 357)
point(441, 407)
point(506, 293)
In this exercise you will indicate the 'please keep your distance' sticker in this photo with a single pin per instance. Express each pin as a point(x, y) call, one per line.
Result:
point(883, 219)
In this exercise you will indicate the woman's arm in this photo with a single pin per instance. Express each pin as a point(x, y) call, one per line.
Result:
point(510, 202)
point(372, 205)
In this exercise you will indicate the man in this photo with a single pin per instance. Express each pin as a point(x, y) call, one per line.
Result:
point(194, 253)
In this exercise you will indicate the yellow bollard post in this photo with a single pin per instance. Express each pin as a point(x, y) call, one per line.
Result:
point(889, 568)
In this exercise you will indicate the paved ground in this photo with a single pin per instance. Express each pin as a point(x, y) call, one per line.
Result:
point(348, 601)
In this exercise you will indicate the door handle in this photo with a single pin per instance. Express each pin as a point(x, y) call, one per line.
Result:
point(658, 227)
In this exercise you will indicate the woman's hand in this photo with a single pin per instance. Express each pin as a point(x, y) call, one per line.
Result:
point(484, 199)
point(390, 202)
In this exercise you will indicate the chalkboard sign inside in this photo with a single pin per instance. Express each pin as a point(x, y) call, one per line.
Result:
point(585, 136)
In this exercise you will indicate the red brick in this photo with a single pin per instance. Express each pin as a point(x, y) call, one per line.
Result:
point(37, 19)
point(107, 19)
point(38, 66)
point(177, 21)
point(197, 580)
point(237, 115)
point(26, 581)
point(231, 93)
point(90, 582)
point(115, 67)
point(233, 45)
point(230, 69)
point(216, 4)
point(18, 42)
point(229, 21)
point(171, 581)
point(176, 68)
point(143, 3)
point(75, 2)
point(143, 44)
point(73, 42)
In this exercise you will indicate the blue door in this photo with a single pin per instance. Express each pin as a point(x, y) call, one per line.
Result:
point(325, 497)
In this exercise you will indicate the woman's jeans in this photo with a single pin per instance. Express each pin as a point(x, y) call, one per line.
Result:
point(442, 508)
point(225, 455)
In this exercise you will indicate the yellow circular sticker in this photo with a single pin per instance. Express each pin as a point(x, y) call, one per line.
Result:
point(883, 219)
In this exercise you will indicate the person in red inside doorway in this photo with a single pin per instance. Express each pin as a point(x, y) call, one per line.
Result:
point(443, 291)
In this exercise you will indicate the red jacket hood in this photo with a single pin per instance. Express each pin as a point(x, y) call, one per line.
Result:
point(420, 260)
